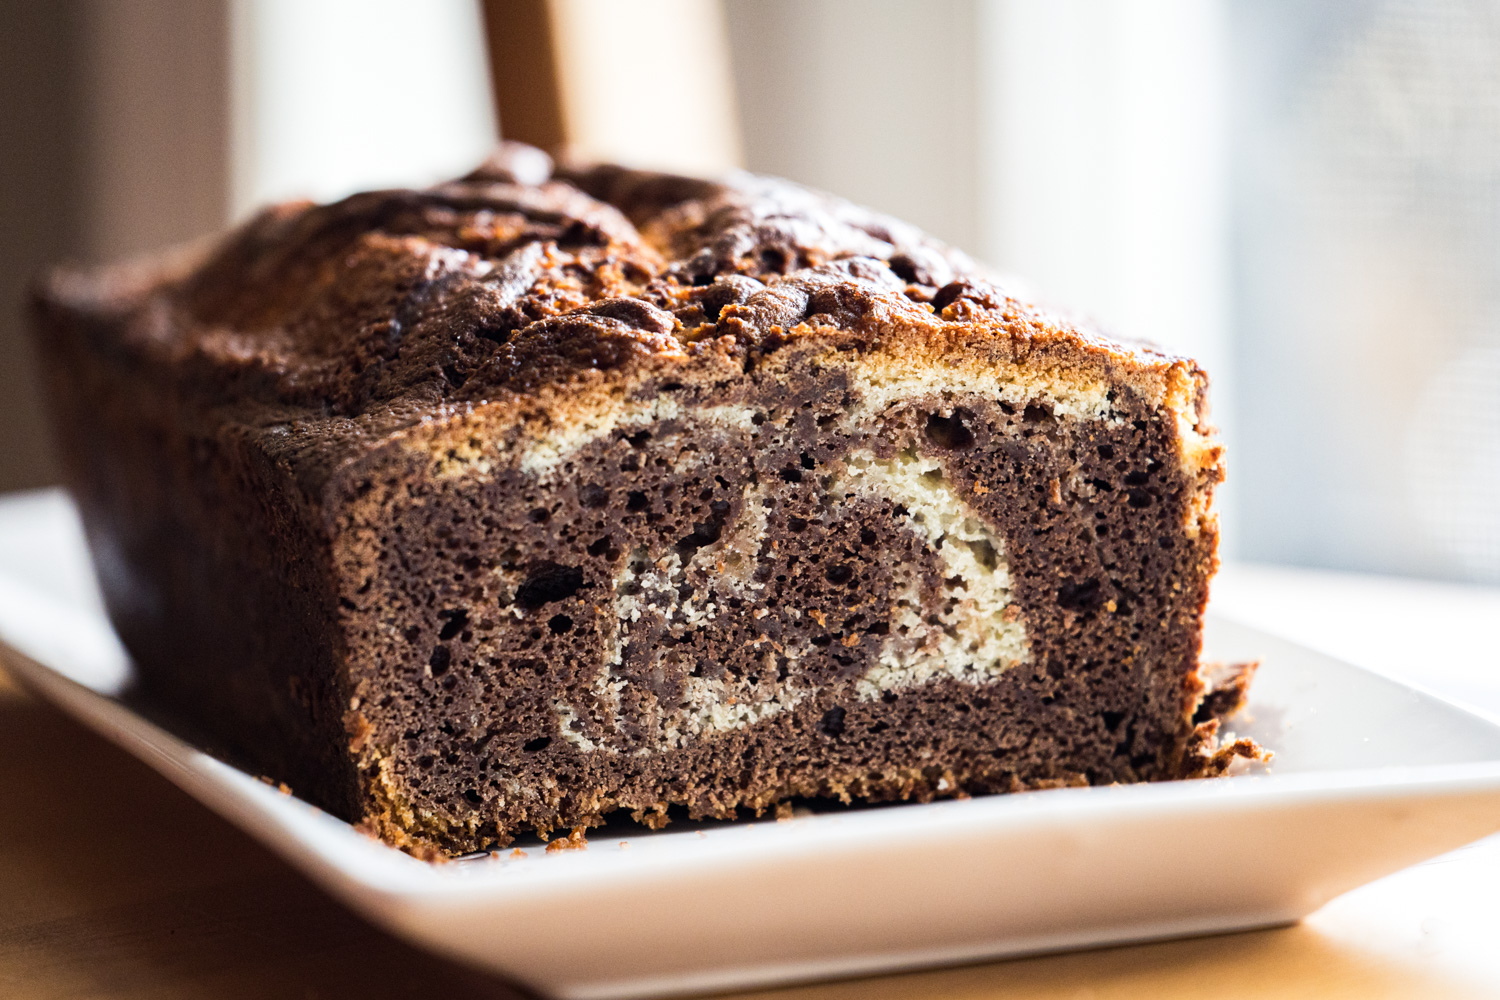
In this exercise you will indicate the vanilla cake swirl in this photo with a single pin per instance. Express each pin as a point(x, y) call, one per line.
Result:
point(505, 505)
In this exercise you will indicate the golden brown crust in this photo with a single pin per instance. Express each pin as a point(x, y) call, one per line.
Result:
point(359, 318)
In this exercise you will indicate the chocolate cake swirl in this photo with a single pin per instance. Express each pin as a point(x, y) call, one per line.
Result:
point(504, 505)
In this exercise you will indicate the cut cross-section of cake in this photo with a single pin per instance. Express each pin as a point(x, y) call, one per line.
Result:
point(499, 507)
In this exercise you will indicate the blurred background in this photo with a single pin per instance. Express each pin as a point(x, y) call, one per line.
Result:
point(1306, 197)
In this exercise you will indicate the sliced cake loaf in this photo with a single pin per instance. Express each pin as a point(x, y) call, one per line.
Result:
point(501, 506)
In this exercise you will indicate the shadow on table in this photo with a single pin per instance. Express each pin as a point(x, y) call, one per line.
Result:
point(1281, 964)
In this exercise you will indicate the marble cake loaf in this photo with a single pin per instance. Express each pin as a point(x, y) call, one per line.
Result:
point(498, 507)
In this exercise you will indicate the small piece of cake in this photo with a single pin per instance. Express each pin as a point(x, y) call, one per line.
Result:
point(502, 506)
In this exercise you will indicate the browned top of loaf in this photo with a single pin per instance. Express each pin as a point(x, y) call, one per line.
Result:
point(373, 311)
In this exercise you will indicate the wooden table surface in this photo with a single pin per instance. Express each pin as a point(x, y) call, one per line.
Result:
point(113, 884)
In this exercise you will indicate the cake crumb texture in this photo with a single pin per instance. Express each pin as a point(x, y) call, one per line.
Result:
point(500, 507)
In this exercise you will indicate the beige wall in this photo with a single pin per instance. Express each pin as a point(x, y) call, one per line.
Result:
point(36, 225)
point(112, 141)
point(874, 100)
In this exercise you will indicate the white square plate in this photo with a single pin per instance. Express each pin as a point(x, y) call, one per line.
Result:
point(1369, 776)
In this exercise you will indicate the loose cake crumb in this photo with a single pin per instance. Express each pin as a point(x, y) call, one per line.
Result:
point(572, 842)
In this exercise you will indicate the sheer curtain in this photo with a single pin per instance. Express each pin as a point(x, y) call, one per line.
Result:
point(1367, 182)
point(334, 96)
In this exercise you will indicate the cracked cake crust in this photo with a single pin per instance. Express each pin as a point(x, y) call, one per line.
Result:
point(504, 505)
